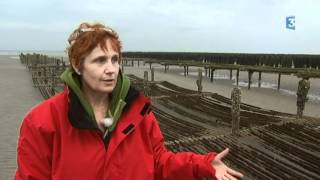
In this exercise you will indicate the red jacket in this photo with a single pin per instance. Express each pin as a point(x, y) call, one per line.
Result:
point(52, 147)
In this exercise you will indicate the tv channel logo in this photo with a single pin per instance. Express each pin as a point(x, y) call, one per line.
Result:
point(291, 22)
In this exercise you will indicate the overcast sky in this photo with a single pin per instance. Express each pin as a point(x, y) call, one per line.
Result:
point(239, 26)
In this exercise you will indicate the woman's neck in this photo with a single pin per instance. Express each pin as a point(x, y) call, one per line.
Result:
point(99, 103)
point(96, 99)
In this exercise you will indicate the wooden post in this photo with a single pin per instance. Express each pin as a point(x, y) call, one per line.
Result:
point(249, 77)
point(230, 74)
point(211, 75)
point(150, 64)
point(63, 65)
point(145, 76)
point(53, 81)
point(45, 75)
point(152, 74)
point(199, 80)
point(279, 79)
point(292, 64)
point(259, 79)
point(238, 77)
point(235, 110)
point(187, 70)
point(122, 67)
point(145, 83)
point(132, 63)
point(184, 71)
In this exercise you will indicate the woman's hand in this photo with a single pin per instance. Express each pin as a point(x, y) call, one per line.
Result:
point(223, 172)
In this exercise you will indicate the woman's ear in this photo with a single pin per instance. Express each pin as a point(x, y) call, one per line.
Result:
point(76, 69)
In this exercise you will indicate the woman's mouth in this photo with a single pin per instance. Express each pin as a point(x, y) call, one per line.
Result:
point(108, 81)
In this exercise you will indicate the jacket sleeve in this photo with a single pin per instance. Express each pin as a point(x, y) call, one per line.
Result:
point(183, 165)
point(34, 152)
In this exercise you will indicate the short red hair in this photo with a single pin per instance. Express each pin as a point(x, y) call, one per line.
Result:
point(86, 37)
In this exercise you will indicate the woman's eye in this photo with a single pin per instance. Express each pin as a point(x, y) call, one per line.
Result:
point(114, 59)
point(100, 60)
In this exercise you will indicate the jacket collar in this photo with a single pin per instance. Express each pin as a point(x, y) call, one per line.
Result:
point(78, 116)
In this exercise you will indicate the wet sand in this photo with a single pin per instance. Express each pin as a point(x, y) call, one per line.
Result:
point(283, 100)
point(17, 97)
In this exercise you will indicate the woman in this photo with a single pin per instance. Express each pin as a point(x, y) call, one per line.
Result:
point(100, 127)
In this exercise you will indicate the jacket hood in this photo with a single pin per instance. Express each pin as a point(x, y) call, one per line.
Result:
point(117, 100)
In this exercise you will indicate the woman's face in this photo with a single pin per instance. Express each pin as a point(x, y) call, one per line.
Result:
point(100, 69)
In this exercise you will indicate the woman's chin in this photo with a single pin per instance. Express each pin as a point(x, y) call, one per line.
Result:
point(108, 89)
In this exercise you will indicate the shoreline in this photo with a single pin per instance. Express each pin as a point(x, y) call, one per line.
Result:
point(267, 98)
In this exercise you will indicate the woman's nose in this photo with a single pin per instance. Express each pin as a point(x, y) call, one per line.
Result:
point(109, 67)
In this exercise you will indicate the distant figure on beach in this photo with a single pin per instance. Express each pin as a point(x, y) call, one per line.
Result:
point(302, 93)
point(100, 127)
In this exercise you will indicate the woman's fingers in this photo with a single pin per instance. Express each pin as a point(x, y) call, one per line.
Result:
point(234, 173)
point(228, 176)
point(222, 154)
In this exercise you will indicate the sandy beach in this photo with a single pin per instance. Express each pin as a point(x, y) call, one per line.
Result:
point(267, 96)
point(17, 96)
